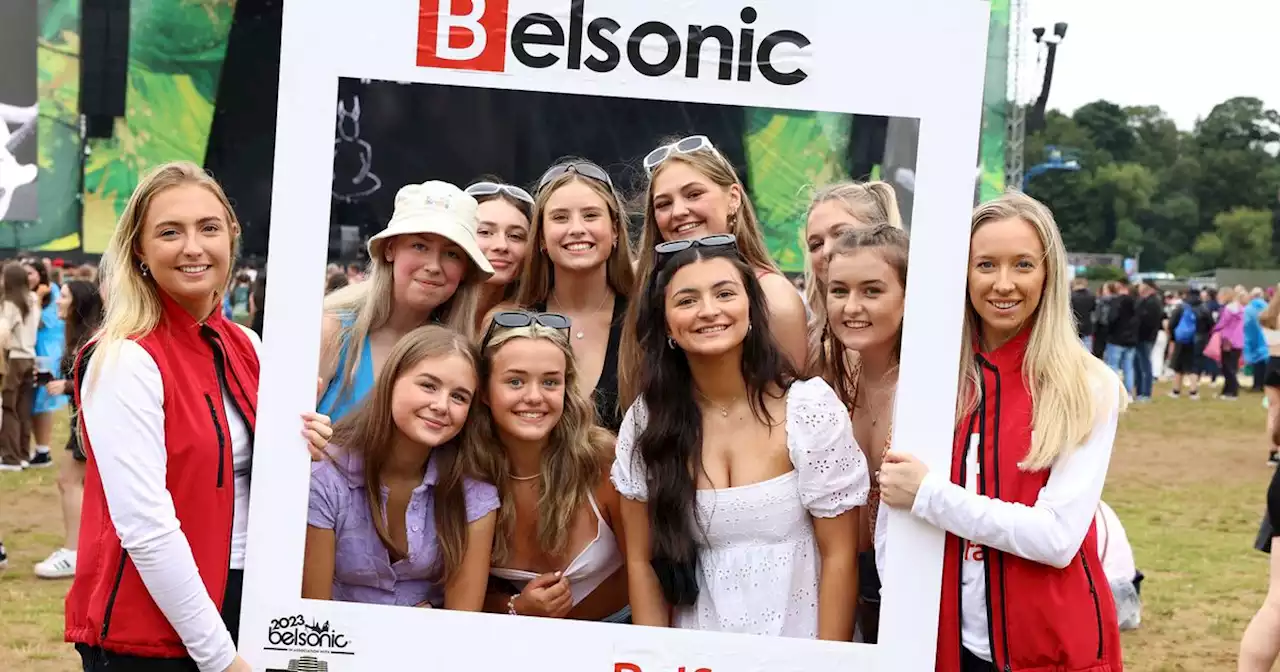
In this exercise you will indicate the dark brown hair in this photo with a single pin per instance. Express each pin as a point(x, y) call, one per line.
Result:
point(16, 290)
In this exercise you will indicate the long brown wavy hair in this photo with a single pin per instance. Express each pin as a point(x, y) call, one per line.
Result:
point(744, 225)
point(573, 461)
point(369, 433)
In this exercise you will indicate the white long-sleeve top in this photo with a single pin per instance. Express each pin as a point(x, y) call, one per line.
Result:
point(124, 414)
point(1050, 532)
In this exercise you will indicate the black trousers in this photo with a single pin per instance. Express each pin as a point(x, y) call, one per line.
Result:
point(972, 663)
point(97, 659)
point(1230, 367)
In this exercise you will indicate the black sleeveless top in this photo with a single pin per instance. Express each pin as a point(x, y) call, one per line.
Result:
point(608, 415)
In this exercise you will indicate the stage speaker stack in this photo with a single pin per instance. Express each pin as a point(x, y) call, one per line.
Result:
point(104, 64)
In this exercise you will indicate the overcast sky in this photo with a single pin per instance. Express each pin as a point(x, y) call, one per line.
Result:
point(1184, 57)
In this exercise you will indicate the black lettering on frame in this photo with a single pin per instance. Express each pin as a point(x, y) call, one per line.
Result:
point(764, 60)
point(576, 10)
point(668, 36)
point(521, 38)
point(598, 32)
point(693, 57)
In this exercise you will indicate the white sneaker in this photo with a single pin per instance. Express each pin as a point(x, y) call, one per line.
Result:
point(61, 564)
point(5, 466)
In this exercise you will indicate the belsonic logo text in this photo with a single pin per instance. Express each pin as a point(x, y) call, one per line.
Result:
point(472, 35)
point(293, 633)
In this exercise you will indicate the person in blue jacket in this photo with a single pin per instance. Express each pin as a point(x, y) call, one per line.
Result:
point(1255, 345)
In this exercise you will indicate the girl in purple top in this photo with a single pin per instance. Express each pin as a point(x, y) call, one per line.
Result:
point(393, 519)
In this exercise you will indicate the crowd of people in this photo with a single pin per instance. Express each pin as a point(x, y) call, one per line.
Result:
point(521, 411)
point(48, 309)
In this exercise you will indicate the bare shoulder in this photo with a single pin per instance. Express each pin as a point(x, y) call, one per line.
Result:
point(330, 325)
point(784, 300)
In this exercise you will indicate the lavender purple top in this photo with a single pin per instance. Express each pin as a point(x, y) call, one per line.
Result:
point(363, 571)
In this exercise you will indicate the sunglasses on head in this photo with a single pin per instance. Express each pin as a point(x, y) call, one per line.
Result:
point(515, 319)
point(687, 145)
point(580, 167)
point(491, 188)
point(665, 251)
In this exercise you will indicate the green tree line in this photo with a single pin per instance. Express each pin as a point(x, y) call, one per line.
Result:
point(1182, 201)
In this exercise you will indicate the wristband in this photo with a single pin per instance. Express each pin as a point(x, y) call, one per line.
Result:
point(511, 605)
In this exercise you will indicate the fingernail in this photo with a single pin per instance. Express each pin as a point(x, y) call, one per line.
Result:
point(557, 575)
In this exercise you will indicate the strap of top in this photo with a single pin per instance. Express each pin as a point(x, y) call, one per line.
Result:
point(595, 507)
point(615, 337)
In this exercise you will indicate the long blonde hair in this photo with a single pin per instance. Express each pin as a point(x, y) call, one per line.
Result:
point(370, 432)
point(1059, 372)
point(744, 225)
point(371, 303)
point(871, 203)
point(537, 278)
point(573, 461)
point(134, 308)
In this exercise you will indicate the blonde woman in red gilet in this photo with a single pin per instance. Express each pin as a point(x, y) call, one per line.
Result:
point(1022, 586)
point(168, 394)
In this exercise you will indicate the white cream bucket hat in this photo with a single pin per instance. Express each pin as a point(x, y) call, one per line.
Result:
point(440, 208)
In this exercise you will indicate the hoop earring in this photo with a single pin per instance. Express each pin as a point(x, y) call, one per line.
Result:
point(671, 344)
point(142, 266)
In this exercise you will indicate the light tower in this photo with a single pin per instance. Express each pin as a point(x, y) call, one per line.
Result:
point(1016, 135)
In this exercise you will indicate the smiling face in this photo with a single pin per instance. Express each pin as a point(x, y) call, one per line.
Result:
point(687, 204)
point(826, 222)
point(427, 269)
point(578, 232)
point(864, 300)
point(526, 389)
point(707, 308)
point(503, 235)
point(185, 242)
point(1006, 277)
point(430, 401)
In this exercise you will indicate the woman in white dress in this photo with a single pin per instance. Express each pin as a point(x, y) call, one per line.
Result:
point(734, 474)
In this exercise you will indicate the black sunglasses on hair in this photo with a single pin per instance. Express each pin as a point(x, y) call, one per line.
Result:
point(580, 167)
point(515, 319)
point(666, 250)
point(491, 188)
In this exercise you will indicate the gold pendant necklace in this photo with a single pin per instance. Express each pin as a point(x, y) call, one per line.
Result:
point(580, 334)
point(724, 410)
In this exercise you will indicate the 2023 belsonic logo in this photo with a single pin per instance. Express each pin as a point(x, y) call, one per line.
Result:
point(476, 39)
point(293, 633)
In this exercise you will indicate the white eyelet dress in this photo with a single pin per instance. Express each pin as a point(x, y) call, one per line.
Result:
point(758, 565)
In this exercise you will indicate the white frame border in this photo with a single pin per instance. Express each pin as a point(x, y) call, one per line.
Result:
point(909, 58)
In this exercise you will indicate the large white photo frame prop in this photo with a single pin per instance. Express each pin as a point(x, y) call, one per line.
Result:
point(905, 58)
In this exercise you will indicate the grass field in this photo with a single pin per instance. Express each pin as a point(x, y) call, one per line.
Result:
point(1188, 479)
